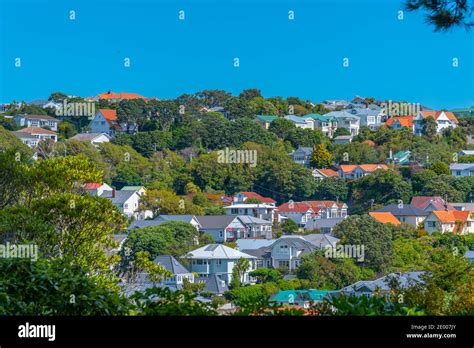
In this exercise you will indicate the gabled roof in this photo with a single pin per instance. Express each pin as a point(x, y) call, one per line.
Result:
point(118, 197)
point(88, 136)
point(295, 119)
point(248, 219)
point(327, 172)
point(317, 205)
point(385, 217)
point(36, 130)
point(437, 114)
point(258, 196)
point(422, 202)
point(92, 185)
point(452, 216)
point(321, 240)
point(253, 243)
point(109, 114)
point(170, 264)
point(217, 251)
point(215, 221)
point(305, 149)
point(405, 121)
point(404, 210)
point(213, 284)
point(295, 207)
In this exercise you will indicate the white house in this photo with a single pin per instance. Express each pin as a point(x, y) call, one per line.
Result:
point(406, 213)
point(369, 117)
point(96, 189)
point(301, 122)
point(93, 138)
point(243, 197)
point(218, 259)
point(37, 121)
point(459, 222)
point(263, 211)
point(38, 133)
point(105, 121)
point(444, 119)
point(321, 174)
point(326, 124)
point(462, 169)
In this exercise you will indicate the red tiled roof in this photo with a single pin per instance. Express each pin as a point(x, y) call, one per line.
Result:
point(121, 95)
point(109, 114)
point(259, 197)
point(36, 130)
point(295, 207)
point(437, 114)
point(405, 121)
point(92, 185)
point(328, 172)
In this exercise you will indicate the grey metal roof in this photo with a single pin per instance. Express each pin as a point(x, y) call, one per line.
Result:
point(23, 135)
point(321, 240)
point(120, 196)
point(170, 264)
point(248, 219)
point(38, 117)
point(253, 244)
point(461, 166)
point(406, 210)
point(213, 284)
point(215, 221)
point(322, 223)
point(306, 150)
point(87, 136)
point(405, 280)
point(260, 253)
point(144, 223)
point(469, 254)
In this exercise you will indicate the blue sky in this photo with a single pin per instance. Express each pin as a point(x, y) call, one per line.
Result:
point(388, 58)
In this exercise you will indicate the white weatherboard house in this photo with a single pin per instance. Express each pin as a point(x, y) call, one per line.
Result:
point(93, 138)
point(462, 169)
point(346, 120)
point(443, 119)
point(218, 260)
point(263, 211)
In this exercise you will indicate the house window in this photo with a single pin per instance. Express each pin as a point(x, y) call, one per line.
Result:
point(234, 211)
point(283, 264)
point(221, 234)
point(458, 172)
point(430, 224)
point(218, 262)
point(199, 262)
point(371, 119)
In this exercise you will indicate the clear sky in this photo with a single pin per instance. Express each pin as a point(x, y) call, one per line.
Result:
point(388, 58)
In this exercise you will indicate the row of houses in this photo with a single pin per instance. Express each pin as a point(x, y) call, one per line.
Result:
point(357, 116)
point(433, 214)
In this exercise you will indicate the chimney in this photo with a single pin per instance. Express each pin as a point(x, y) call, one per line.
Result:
point(113, 193)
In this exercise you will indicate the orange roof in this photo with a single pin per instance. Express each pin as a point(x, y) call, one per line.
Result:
point(121, 95)
point(385, 217)
point(348, 168)
point(436, 114)
point(328, 172)
point(36, 130)
point(452, 216)
point(405, 121)
point(109, 114)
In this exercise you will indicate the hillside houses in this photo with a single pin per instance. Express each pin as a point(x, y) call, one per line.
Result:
point(31, 136)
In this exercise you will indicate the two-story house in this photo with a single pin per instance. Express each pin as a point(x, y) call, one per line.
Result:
point(346, 120)
point(299, 212)
point(38, 121)
point(455, 221)
point(243, 197)
point(219, 260)
point(263, 211)
point(400, 122)
point(444, 119)
point(302, 155)
point(326, 124)
point(406, 213)
point(369, 117)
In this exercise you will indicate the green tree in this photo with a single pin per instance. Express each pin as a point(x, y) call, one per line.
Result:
point(440, 167)
point(321, 157)
point(332, 188)
point(288, 226)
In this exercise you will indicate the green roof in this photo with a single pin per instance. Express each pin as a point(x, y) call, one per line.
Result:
point(267, 118)
point(319, 117)
point(131, 188)
point(294, 295)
